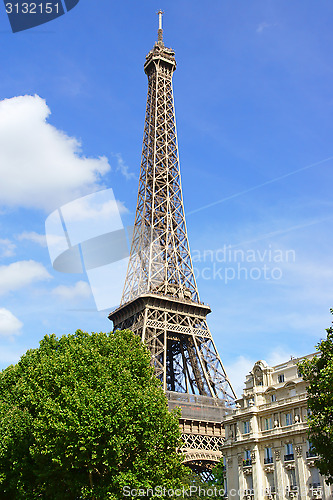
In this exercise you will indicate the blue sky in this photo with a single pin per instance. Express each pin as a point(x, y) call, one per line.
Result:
point(254, 100)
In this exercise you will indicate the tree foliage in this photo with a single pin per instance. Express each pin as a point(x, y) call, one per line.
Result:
point(318, 372)
point(83, 416)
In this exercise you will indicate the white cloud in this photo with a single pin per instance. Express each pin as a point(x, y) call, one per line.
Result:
point(237, 372)
point(262, 26)
point(7, 248)
point(40, 239)
point(49, 164)
point(83, 210)
point(20, 274)
point(9, 324)
point(278, 355)
point(123, 168)
point(80, 290)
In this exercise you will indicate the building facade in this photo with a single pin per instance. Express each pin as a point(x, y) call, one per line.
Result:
point(266, 451)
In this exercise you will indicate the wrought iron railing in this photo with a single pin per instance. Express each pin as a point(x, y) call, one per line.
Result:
point(292, 487)
point(315, 486)
point(289, 457)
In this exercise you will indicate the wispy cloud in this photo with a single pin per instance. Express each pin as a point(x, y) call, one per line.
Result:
point(80, 290)
point(282, 231)
point(237, 372)
point(20, 274)
point(123, 168)
point(262, 26)
point(242, 366)
point(9, 324)
point(7, 248)
point(40, 239)
point(258, 186)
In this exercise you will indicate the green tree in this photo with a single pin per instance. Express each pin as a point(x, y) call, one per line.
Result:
point(318, 372)
point(83, 416)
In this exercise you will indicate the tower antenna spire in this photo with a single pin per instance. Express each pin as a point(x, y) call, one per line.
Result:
point(160, 27)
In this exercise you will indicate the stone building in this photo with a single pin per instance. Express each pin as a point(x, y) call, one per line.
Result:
point(266, 451)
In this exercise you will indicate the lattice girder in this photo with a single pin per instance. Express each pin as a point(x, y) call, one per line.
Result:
point(160, 253)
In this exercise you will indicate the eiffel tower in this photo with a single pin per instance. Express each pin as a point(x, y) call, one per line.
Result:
point(160, 300)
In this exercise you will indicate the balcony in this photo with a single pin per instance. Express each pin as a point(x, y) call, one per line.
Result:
point(268, 460)
point(300, 397)
point(311, 453)
point(247, 462)
point(248, 494)
point(292, 491)
point(270, 493)
point(316, 490)
point(287, 458)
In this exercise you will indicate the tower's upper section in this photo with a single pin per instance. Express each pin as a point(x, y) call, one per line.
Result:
point(160, 260)
point(160, 55)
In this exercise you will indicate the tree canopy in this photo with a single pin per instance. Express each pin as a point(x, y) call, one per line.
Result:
point(318, 372)
point(83, 416)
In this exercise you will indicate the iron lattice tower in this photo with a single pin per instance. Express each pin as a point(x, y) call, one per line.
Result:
point(160, 300)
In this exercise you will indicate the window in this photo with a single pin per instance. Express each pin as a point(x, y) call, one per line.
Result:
point(289, 449)
point(281, 378)
point(289, 453)
point(315, 479)
point(289, 419)
point(311, 452)
point(246, 427)
point(268, 423)
point(268, 456)
point(249, 485)
point(292, 480)
point(270, 486)
point(247, 458)
point(273, 398)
